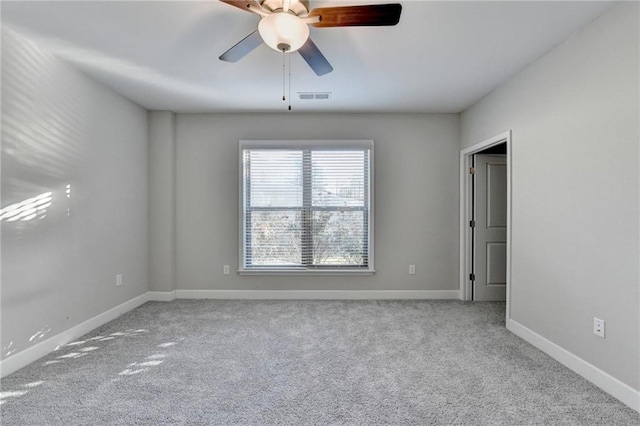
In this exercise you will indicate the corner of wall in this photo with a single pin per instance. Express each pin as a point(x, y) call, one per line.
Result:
point(162, 201)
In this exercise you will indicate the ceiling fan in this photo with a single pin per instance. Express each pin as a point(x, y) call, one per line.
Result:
point(284, 26)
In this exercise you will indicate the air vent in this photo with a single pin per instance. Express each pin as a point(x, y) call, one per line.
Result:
point(309, 96)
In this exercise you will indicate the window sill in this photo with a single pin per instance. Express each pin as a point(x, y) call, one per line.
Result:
point(306, 272)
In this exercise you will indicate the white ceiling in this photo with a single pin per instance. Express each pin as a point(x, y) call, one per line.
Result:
point(163, 55)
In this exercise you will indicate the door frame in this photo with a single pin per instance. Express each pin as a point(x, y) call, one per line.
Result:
point(466, 189)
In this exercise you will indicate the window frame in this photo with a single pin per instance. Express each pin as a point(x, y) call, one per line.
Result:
point(306, 145)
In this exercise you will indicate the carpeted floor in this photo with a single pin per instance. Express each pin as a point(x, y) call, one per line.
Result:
point(203, 362)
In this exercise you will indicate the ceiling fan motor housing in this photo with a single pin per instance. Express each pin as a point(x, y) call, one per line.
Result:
point(296, 7)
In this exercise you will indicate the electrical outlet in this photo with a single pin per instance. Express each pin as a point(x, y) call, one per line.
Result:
point(598, 327)
point(412, 269)
point(118, 280)
point(225, 269)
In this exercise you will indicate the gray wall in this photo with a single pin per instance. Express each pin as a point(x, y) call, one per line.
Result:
point(575, 116)
point(162, 201)
point(416, 181)
point(59, 128)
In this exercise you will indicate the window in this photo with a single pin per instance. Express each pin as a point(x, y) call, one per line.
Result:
point(306, 206)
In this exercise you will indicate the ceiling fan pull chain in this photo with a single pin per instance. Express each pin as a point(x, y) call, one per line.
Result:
point(289, 82)
point(283, 72)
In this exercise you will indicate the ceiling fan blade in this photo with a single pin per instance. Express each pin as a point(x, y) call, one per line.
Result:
point(242, 48)
point(316, 60)
point(374, 15)
point(248, 5)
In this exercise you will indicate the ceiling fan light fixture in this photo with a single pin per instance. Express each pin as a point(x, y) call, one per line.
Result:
point(283, 31)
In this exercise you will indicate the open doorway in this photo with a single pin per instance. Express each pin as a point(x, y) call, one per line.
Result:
point(485, 220)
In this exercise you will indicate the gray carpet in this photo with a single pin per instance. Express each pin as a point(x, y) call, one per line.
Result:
point(202, 362)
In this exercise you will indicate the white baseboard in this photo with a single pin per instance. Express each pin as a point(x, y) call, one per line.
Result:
point(317, 294)
point(603, 380)
point(162, 296)
point(35, 352)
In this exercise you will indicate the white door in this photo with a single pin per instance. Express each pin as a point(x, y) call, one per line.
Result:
point(490, 231)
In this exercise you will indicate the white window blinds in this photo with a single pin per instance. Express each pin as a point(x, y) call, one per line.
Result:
point(306, 205)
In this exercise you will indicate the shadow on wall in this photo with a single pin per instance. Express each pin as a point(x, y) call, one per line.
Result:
point(36, 208)
point(41, 153)
point(41, 132)
point(40, 129)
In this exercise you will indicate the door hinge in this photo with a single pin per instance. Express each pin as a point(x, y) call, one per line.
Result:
point(472, 224)
point(472, 277)
point(472, 170)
